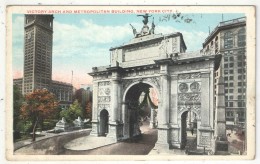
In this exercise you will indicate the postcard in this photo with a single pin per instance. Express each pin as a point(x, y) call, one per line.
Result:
point(130, 83)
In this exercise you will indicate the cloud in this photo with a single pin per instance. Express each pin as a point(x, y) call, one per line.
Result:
point(17, 74)
point(80, 39)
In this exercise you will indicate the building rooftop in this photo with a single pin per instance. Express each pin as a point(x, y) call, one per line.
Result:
point(148, 38)
point(223, 25)
point(60, 83)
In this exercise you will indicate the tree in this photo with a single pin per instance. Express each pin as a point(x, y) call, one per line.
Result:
point(17, 103)
point(39, 105)
point(89, 110)
point(74, 111)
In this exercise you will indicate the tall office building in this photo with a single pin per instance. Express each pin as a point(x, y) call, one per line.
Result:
point(229, 39)
point(38, 41)
point(37, 52)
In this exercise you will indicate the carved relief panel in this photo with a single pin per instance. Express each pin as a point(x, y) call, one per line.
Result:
point(104, 95)
point(174, 45)
point(189, 92)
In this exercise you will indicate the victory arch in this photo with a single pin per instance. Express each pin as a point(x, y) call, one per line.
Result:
point(183, 82)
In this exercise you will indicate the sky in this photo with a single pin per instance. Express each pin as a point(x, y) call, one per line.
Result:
point(82, 41)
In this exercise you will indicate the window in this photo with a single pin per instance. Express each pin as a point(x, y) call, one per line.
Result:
point(226, 59)
point(231, 65)
point(226, 72)
point(239, 90)
point(225, 65)
point(230, 104)
point(225, 78)
point(231, 58)
point(240, 104)
point(228, 40)
point(231, 97)
point(239, 97)
point(240, 57)
point(231, 78)
point(231, 71)
point(231, 90)
point(231, 84)
point(241, 39)
point(216, 44)
point(226, 103)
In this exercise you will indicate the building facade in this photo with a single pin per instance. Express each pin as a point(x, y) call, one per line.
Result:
point(229, 39)
point(38, 42)
point(37, 52)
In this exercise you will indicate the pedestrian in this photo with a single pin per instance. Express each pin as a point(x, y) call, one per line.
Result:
point(192, 131)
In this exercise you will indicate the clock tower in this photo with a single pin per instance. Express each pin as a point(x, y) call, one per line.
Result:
point(38, 39)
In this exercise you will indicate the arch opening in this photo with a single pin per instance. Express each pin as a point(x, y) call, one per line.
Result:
point(189, 130)
point(103, 126)
point(141, 108)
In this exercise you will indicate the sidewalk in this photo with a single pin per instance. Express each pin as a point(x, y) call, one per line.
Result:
point(89, 143)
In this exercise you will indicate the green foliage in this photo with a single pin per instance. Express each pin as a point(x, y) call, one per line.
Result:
point(49, 124)
point(17, 103)
point(24, 127)
point(74, 111)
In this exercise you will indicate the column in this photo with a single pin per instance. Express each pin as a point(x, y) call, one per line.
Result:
point(114, 99)
point(174, 100)
point(221, 143)
point(205, 129)
point(114, 120)
point(163, 111)
point(174, 127)
point(95, 124)
point(205, 98)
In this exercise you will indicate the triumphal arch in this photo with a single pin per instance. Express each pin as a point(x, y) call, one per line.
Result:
point(183, 82)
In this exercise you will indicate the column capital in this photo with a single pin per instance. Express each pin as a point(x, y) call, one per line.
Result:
point(115, 81)
point(166, 76)
point(174, 76)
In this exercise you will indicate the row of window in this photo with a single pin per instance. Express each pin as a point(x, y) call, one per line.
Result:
point(231, 58)
point(231, 97)
point(238, 84)
point(239, 90)
point(239, 77)
point(229, 40)
point(239, 104)
point(232, 114)
point(231, 65)
point(231, 71)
